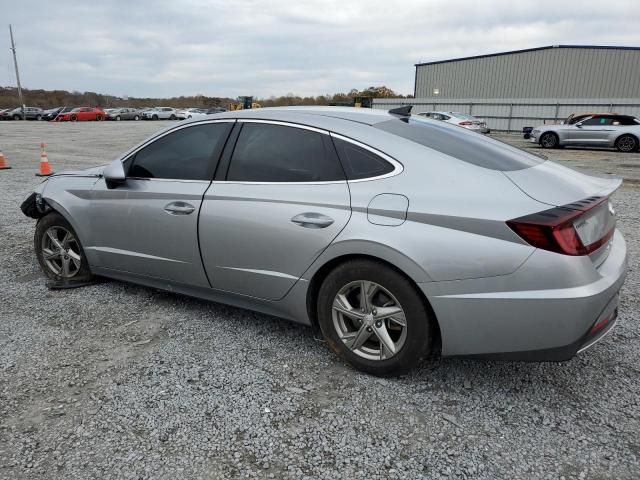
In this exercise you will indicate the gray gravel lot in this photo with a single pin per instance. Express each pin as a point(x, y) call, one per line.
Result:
point(120, 381)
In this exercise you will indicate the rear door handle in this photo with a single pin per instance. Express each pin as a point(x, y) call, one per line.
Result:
point(312, 220)
point(179, 208)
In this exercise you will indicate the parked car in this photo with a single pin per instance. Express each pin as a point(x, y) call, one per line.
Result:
point(2, 111)
point(30, 113)
point(160, 113)
point(595, 130)
point(118, 114)
point(82, 114)
point(190, 113)
point(398, 236)
point(52, 113)
point(461, 119)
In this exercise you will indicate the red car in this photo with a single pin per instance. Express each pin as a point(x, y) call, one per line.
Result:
point(81, 114)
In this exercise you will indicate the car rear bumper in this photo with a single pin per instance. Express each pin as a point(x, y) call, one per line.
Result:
point(533, 325)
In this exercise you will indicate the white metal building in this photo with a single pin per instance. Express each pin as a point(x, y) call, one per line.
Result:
point(528, 87)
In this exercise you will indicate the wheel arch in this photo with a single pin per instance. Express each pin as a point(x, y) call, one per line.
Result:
point(615, 142)
point(321, 273)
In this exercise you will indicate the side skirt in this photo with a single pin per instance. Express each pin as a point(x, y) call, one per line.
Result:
point(281, 308)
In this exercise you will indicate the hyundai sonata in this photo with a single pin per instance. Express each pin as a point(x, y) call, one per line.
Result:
point(398, 236)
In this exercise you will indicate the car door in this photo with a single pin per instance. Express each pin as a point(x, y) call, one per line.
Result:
point(591, 131)
point(149, 225)
point(279, 200)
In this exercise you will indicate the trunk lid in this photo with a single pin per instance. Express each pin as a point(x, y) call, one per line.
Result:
point(558, 185)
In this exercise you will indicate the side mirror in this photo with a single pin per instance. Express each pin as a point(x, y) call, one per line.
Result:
point(579, 124)
point(114, 174)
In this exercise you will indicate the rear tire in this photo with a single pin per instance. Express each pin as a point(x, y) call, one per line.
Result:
point(172, 117)
point(155, 117)
point(74, 118)
point(38, 117)
point(366, 334)
point(549, 140)
point(118, 118)
point(62, 258)
point(627, 143)
point(136, 118)
point(98, 118)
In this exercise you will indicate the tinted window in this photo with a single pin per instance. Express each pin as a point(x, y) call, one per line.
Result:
point(598, 121)
point(275, 153)
point(360, 163)
point(186, 154)
point(462, 144)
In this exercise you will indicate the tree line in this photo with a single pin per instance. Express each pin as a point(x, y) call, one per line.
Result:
point(55, 98)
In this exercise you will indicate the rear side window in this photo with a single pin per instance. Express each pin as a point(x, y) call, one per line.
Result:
point(462, 144)
point(277, 153)
point(186, 154)
point(359, 163)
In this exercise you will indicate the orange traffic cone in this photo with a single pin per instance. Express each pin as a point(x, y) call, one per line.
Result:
point(3, 162)
point(45, 168)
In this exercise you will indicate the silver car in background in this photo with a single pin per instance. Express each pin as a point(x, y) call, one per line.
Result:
point(398, 236)
point(599, 130)
point(460, 119)
point(118, 114)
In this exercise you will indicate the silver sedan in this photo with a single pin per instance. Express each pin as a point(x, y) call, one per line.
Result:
point(599, 130)
point(398, 237)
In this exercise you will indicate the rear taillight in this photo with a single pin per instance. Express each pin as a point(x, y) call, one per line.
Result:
point(465, 123)
point(579, 228)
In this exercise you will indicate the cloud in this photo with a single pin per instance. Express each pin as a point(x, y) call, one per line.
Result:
point(263, 48)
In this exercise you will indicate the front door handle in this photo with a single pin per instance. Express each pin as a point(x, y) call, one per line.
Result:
point(312, 220)
point(179, 208)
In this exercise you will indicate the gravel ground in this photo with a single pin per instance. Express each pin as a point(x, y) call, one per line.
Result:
point(120, 381)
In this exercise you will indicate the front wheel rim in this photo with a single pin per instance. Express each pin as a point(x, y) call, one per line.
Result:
point(369, 320)
point(626, 144)
point(61, 252)
point(548, 141)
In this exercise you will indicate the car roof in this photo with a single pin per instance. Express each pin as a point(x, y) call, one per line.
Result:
point(313, 114)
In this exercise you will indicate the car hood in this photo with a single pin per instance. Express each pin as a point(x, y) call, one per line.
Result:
point(87, 172)
point(551, 127)
point(557, 185)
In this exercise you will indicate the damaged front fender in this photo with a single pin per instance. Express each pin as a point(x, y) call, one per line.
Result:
point(35, 206)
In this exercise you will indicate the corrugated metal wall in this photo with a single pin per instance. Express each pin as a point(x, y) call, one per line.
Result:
point(550, 73)
point(511, 114)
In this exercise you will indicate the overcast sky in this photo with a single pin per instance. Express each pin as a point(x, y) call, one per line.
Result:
point(250, 47)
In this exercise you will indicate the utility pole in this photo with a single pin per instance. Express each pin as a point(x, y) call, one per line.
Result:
point(15, 63)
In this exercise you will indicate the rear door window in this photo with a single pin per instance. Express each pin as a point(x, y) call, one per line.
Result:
point(277, 153)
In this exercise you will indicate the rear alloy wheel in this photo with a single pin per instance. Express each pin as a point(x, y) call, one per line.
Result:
point(549, 140)
point(627, 143)
point(373, 318)
point(58, 249)
point(74, 118)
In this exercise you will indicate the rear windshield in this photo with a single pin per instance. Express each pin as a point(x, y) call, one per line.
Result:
point(462, 144)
